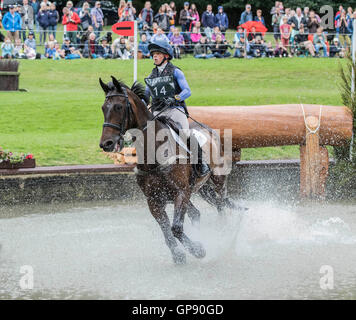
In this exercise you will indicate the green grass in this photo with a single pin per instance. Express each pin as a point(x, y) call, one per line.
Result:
point(59, 119)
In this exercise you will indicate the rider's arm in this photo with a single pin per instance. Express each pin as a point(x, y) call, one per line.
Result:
point(185, 93)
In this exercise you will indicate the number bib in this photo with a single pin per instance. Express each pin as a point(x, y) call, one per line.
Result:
point(161, 87)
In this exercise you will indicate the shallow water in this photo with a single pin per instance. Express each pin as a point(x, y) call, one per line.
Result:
point(117, 251)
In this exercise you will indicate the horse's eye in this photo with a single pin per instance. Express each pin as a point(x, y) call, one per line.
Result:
point(117, 107)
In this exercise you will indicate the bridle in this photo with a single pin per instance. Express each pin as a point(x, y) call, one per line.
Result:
point(126, 120)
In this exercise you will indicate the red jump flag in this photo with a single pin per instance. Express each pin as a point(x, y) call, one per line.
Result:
point(125, 28)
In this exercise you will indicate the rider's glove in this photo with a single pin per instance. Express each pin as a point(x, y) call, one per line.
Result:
point(170, 101)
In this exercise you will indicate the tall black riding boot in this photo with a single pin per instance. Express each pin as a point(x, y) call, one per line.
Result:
point(201, 168)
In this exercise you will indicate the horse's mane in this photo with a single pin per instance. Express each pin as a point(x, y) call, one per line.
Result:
point(137, 88)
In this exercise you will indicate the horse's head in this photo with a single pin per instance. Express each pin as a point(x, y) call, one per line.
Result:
point(118, 115)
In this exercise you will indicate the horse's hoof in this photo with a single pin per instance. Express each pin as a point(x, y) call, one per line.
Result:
point(197, 250)
point(179, 256)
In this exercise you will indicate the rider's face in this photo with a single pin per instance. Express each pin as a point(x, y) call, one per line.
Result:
point(158, 57)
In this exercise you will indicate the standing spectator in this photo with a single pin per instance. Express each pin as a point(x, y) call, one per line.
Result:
point(277, 5)
point(146, 32)
point(185, 18)
point(129, 12)
point(7, 49)
point(285, 30)
point(121, 9)
point(259, 17)
point(222, 20)
point(83, 10)
point(320, 41)
point(350, 12)
point(202, 50)
point(36, 7)
point(276, 22)
point(220, 48)
point(246, 15)
point(195, 16)
point(208, 21)
point(71, 21)
point(12, 23)
point(69, 5)
point(170, 15)
point(53, 18)
point(2, 38)
point(296, 20)
point(162, 18)
point(306, 13)
point(143, 47)
point(26, 12)
point(146, 15)
point(97, 16)
point(287, 14)
point(43, 20)
point(85, 18)
point(172, 5)
point(313, 23)
point(31, 41)
point(343, 24)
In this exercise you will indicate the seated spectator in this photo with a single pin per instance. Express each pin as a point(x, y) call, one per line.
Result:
point(91, 47)
point(159, 36)
point(220, 48)
point(281, 51)
point(154, 27)
point(259, 17)
point(7, 49)
point(202, 50)
point(177, 42)
point(195, 35)
point(217, 32)
point(240, 43)
point(18, 49)
point(66, 46)
point(253, 34)
point(60, 54)
point(336, 50)
point(257, 48)
point(143, 47)
point(51, 38)
point(170, 33)
point(269, 50)
point(104, 50)
point(320, 41)
point(302, 42)
point(119, 49)
point(30, 53)
point(74, 54)
point(50, 50)
point(31, 41)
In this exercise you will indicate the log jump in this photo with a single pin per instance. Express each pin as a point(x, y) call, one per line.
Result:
point(311, 126)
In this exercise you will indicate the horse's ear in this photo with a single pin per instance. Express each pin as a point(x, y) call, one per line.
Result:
point(104, 86)
point(116, 84)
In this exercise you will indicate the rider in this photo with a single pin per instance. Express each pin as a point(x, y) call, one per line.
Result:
point(169, 88)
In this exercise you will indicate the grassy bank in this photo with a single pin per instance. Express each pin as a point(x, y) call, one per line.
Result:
point(59, 119)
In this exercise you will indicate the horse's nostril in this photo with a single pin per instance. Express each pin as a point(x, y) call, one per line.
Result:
point(108, 143)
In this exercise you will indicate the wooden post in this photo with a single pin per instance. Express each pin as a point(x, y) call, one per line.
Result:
point(314, 163)
point(9, 75)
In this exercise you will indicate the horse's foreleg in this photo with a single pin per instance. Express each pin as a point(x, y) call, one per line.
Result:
point(181, 204)
point(193, 214)
point(159, 213)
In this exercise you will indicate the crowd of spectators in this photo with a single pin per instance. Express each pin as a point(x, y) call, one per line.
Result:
point(294, 32)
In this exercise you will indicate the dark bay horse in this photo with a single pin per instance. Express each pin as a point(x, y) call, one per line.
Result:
point(123, 110)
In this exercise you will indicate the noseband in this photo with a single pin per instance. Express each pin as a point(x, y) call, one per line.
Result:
point(126, 120)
